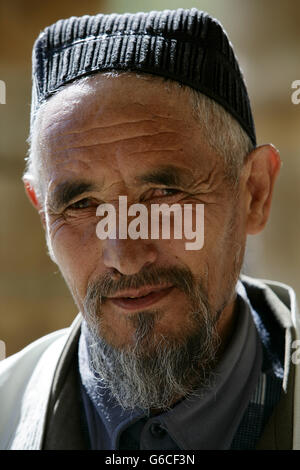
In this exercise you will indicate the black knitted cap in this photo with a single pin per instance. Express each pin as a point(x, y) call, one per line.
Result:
point(184, 45)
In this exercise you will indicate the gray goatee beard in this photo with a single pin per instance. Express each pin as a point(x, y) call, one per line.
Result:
point(157, 369)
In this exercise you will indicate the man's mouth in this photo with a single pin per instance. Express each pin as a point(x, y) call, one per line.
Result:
point(134, 299)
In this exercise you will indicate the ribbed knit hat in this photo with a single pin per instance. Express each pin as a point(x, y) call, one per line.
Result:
point(188, 46)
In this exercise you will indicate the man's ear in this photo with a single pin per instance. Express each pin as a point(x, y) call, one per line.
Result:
point(262, 168)
point(33, 198)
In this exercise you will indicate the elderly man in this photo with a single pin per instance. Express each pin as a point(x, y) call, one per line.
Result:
point(173, 348)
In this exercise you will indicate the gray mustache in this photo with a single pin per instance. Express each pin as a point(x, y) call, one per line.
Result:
point(106, 286)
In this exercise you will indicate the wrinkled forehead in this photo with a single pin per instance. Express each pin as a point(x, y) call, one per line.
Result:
point(116, 97)
point(109, 122)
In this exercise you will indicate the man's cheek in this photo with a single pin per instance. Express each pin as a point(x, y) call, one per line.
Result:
point(73, 238)
point(61, 243)
point(74, 251)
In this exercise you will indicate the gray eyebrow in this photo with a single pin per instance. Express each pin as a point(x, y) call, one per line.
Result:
point(66, 191)
point(169, 175)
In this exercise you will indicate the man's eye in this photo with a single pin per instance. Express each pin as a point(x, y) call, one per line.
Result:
point(82, 204)
point(157, 193)
point(165, 192)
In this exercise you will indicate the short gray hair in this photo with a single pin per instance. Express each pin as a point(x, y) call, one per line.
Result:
point(223, 132)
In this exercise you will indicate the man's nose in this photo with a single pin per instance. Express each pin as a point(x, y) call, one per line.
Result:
point(128, 256)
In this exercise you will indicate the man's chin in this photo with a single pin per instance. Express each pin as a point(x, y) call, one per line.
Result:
point(144, 334)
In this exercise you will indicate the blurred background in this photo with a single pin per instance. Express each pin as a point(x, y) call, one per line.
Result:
point(266, 36)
